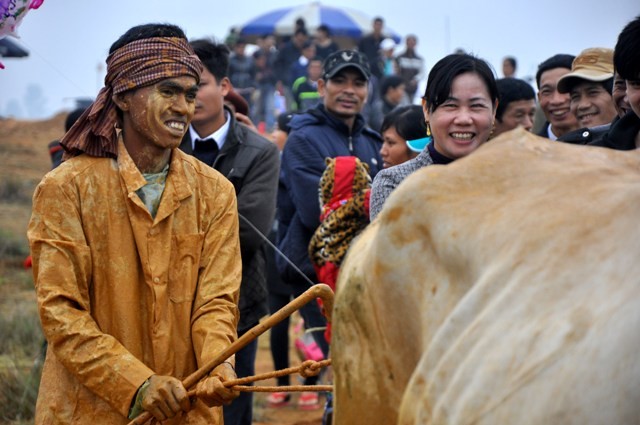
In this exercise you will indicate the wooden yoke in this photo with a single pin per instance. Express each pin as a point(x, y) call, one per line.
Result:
point(320, 290)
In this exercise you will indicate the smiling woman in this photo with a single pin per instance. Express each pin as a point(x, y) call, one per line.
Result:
point(459, 108)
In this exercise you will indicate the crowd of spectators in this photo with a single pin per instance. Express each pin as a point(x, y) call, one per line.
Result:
point(286, 68)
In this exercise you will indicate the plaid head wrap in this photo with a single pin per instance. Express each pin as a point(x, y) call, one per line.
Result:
point(137, 64)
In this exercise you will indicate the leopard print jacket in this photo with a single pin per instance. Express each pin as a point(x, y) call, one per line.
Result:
point(344, 192)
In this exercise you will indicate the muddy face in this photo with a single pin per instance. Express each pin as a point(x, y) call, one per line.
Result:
point(155, 119)
point(160, 114)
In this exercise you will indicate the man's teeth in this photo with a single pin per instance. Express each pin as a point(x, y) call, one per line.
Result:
point(176, 125)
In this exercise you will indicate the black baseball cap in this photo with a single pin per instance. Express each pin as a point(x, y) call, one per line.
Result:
point(342, 59)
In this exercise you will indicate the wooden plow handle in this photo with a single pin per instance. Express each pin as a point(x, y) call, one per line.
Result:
point(320, 290)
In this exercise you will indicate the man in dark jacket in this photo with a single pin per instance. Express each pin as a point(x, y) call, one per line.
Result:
point(334, 128)
point(392, 95)
point(369, 45)
point(624, 133)
point(410, 66)
point(589, 84)
point(251, 163)
point(286, 57)
point(242, 71)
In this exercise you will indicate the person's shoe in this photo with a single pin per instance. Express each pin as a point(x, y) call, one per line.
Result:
point(278, 399)
point(308, 401)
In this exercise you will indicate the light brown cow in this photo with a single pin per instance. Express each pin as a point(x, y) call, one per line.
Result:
point(501, 289)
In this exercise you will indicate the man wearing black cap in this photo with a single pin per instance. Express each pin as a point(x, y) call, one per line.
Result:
point(334, 128)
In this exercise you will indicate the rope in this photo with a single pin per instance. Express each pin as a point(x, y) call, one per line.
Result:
point(316, 329)
point(283, 388)
point(305, 369)
point(264, 238)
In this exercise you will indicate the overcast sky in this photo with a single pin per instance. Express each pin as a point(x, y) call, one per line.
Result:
point(68, 40)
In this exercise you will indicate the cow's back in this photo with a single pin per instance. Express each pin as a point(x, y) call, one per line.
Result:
point(502, 288)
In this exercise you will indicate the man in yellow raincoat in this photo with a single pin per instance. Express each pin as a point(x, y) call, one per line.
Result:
point(135, 250)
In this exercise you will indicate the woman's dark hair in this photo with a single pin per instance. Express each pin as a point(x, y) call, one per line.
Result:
point(147, 31)
point(408, 120)
point(447, 69)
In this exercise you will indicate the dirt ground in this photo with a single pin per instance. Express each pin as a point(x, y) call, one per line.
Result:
point(25, 159)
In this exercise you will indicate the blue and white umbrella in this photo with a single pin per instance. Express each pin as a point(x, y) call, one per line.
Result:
point(342, 22)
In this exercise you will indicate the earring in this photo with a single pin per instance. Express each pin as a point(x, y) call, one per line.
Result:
point(493, 127)
point(429, 138)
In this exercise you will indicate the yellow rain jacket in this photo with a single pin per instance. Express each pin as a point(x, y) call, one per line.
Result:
point(123, 296)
